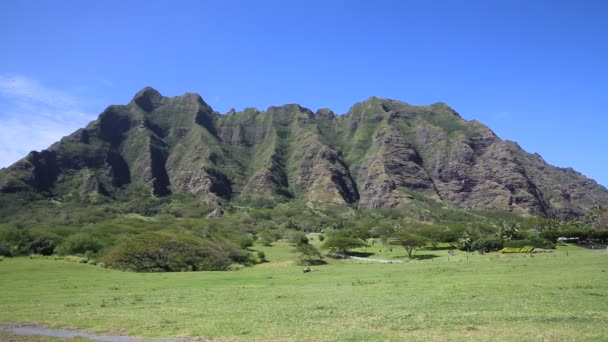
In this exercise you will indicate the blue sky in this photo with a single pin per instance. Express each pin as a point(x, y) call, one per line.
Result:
point(536, 72)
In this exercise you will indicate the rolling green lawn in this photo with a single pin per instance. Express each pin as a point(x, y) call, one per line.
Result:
point(558, 296)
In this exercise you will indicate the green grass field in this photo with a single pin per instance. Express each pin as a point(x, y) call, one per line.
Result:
point(558, 296)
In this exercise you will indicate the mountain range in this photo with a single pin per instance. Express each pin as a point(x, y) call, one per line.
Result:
point(381, 154)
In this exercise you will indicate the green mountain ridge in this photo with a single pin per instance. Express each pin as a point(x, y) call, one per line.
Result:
point(381, 154)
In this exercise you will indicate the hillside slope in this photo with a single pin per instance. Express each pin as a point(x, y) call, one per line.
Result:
point(381, 154)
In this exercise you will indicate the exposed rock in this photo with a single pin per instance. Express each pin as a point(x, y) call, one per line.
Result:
point(218, 212)
point(148, 99)
point(381, 154)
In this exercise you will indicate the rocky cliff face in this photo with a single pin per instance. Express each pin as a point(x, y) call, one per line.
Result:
point(381, 154)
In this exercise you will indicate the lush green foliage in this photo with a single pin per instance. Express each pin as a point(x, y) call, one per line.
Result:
point(74, 226)
point(154, 252)
point(341, 245)
point(409, 241)
point(488, 244)
point(534, 242)
point(80, 243)
point(4, 250)
point(308, 254)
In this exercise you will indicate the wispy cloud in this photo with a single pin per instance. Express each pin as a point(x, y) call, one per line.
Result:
point(33, 116)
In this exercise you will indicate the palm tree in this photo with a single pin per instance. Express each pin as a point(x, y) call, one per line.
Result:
point(465, 242)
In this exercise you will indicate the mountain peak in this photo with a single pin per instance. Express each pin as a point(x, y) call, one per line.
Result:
point(148, 99)
point(442, 106)
point(375, 156)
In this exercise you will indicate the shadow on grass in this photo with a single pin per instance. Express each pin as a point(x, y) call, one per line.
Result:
point(418, 257)
point(314, 263)
point(425, 256)
point(361, 254)
point(442, 248)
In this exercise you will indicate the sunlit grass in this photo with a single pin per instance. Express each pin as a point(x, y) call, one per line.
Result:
point(551, 296)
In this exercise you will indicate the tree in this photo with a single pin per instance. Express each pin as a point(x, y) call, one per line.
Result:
point(42, 245)
point(545, 224)
point(267, 237)
point(487, 244)
point(341, 245)
point(435, 234)
point(507, 230)
point(465, 242)
point(80, 243)
point(159, 252)
point(298, 238)
point(308, 254)
point(384, 232)
point(409, 241)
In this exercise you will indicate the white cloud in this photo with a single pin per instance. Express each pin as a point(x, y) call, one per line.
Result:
point(33, 116)
point(22, 88)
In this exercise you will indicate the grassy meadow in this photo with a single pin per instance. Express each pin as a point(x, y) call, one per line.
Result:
point(557, 296)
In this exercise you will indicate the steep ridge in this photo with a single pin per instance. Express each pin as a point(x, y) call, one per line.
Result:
point(381, 154)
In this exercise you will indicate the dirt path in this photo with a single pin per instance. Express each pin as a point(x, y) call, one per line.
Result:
point(66, 333)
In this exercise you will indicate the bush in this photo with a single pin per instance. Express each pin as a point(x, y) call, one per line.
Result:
point(262, 256)
point(267, 237)
point(299, 238)
point(341, 245)
point(308, 254)
point(321, 237)
point(534, 242)
point(41, 245)
point(159, 252)
point(5, 250)
point(551, 235)
point(600, 235)
point(80, 244)
point(232, 251)
point(246, 242)
point(488, 244)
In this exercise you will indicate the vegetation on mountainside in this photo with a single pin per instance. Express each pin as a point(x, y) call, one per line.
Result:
point(383, 153)
point(171, 174)
point(116, 233)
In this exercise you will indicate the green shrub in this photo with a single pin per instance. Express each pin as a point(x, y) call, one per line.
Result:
point(308, 254)
point(487, 244)
point(159, 252)
point(262, 256)
point(341, 245)
point(321, 237)
point(299, 238)
point(568, 232)
point(5, 250)
point(232, 251)
point(246, 241)
point(551, 235)
point(80, 244)
point(41, 245)
point(600, 235)
point(534, 242)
